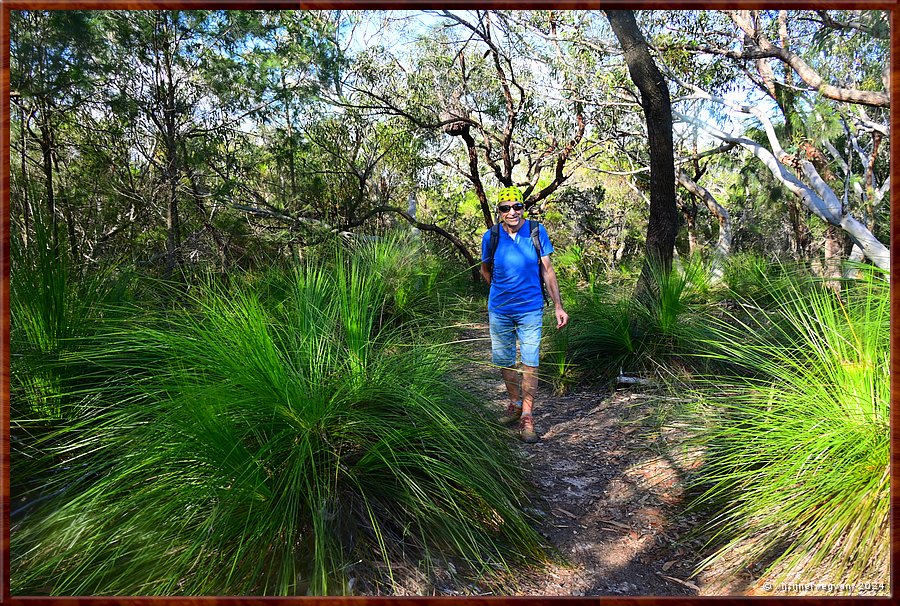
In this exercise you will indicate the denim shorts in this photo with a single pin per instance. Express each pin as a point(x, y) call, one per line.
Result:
point(504, 330)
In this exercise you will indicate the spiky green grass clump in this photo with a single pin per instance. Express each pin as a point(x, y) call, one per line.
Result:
point(54, 307)
point(274, 447)
point(797, 442)
point(612, 331)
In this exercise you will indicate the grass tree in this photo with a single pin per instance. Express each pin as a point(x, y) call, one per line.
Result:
point(617, 333)
point(295, 442)
point(797, 438)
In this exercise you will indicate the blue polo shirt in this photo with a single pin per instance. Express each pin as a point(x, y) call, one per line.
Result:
point(515, 281)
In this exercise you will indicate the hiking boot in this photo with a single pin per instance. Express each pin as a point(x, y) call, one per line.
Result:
point(526, 430)
point(512, 414)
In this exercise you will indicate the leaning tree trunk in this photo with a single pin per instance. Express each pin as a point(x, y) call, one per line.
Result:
point(817, 197)
point(723, 243)
point(663, 224)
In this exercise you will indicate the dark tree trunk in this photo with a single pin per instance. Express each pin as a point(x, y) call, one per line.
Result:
point(26, 210)
point(486, 211)
point(47, 154)
point(173, 172)
point(663, 224)
point(173, 224)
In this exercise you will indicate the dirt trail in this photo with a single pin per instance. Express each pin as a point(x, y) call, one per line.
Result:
point(606, 488)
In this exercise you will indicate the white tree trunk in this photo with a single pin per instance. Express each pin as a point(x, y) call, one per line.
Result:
point(723, 244)
point(412, 213)
point(819, 199)
point(856, 256)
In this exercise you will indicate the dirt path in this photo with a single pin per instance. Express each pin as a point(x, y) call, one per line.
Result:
point(607, 490)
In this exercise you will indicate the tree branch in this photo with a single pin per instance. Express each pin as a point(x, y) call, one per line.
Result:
point(832, 23)
point(472, 261)
point(810, 76)
point(875, 250)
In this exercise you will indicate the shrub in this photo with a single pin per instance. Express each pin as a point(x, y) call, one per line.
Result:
point(797, 440)
point(274, 444)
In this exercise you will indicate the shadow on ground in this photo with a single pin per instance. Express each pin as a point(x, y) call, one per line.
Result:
point(607, 493)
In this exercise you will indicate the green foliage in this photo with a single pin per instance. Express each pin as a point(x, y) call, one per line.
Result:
point(797, 442)
point(757, 280)
point(613, 331)
point(53, 310)
point(585, 210)
point(51, 306)
point(573, 265)
point(838, 51)
point(51, 56)
point(275, 441)
point(557, 367)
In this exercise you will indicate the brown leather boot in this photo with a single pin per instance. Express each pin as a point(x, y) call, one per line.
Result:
point(526, 430)
point(512, 414)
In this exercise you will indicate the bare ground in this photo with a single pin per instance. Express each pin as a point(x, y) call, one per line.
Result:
point(608, 490)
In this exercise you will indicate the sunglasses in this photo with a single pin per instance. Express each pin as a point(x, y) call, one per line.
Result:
point(504, 208)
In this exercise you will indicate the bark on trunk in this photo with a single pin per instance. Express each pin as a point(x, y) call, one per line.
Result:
point(834, 247)
point(173, 224)
point(656, 104)
point(26, 210)
point(47, 154)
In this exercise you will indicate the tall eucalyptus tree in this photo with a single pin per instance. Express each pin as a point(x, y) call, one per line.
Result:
point(657, 106)
point(52, 76)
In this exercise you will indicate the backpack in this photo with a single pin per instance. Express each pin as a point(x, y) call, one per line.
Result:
point(535, 240)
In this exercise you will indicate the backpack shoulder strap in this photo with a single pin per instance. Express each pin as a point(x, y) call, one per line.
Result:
point(536, 240)
point(535, 237)
point(493, 242)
